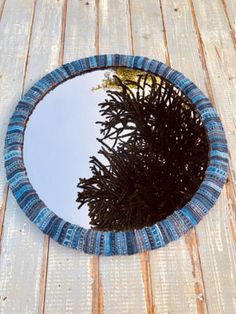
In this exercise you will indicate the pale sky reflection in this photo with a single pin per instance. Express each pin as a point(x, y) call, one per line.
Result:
point(60, 136)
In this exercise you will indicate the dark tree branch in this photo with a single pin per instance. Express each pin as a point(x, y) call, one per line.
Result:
point(158, 157)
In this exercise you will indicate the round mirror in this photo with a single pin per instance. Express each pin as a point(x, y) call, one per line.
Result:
point(115, 151)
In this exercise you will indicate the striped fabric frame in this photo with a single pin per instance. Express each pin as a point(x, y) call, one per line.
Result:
point(110, 242)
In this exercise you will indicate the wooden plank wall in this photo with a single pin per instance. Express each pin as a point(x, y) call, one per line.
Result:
point(196, 274)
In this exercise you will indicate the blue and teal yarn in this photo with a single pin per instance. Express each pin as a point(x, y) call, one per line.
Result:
point(115, 243)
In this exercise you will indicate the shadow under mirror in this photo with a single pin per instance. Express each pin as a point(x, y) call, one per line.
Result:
point(115, 149)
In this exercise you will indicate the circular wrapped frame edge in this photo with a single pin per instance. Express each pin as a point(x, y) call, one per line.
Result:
point(110, 242)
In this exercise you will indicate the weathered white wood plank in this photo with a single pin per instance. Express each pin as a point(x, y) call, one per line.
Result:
point(147, 30)
point(45, 45)
point(229, 7)
point(122, 285)
point(80, 35)
point(181, 40)
point(194, 66)
point(20, 263)
point(176, 277)
point(176, 265)
point(72, 277)
point(15, 32)
point(221, 64)
point(217, 248)
point(69, 281)
point(183, 36)
point(23, 244)
point(217, 232)
point(114, 27)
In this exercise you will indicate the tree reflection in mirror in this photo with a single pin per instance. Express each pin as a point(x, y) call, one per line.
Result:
point(128, 144)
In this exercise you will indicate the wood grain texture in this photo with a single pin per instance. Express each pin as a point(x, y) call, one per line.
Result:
point(148, 38)
point(45, 48)
point(198, 71)
point(43, 275)
point(69, 286)
point(46, 52)
point(2, 211)
point(218, 255)
point(229, 7)
point(15, 271)
point(25, 254)
point(221, 64)
point(122, 284)
point(176, 278)
point(20, 264)
point(195, 274)
point(114, 27)
point(147, 281)
point(215, 233)
point(80, 31)
point(15, 33)
point(97, 289)
point(182, 39)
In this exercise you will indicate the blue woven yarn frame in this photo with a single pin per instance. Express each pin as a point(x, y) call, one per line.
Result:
point(109, 242)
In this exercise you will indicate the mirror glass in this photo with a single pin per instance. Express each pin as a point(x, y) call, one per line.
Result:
point(115, 149)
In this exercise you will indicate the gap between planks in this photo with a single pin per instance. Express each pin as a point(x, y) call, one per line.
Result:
point(2, 8)
point(231, 195)
point(43, 275)
point(167, 54)
point(2, 212)
point(97, 290)
point(63, 31)
point(130, 29)
point(147, 282)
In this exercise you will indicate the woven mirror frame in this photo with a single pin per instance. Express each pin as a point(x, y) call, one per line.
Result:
point(110, 242)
